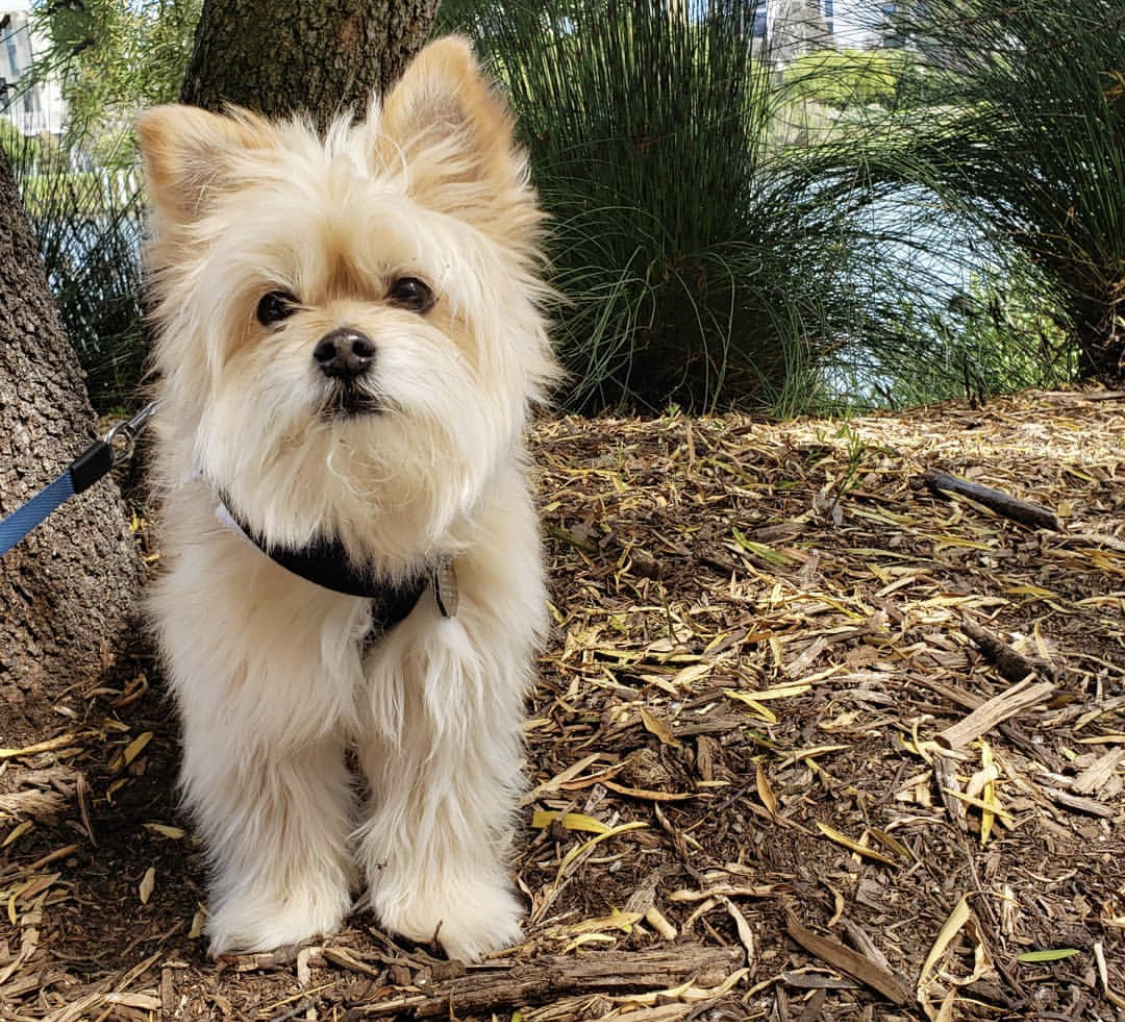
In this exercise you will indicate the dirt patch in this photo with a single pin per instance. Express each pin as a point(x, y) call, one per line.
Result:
point(755, 792)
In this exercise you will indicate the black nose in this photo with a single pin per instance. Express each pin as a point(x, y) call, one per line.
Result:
point(344, 353)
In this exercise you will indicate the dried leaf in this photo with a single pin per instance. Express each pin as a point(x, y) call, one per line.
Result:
point(571, 821)
point(765, 792)
point(655, 726)
point(136, 747)
point(855, 846)
point(586, 846)
point(148, 882)
point(165, 830)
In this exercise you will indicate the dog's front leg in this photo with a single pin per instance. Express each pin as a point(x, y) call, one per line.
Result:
point(275, 824)
point(442, 752)
point(264, 671)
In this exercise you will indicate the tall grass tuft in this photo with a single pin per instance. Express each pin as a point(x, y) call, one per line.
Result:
point(87, 225)
point(706, 259)
point(1036, 148)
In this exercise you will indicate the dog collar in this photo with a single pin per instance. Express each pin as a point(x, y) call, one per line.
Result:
point(325, 563)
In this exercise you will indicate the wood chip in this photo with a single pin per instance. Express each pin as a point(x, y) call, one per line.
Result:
point(1010, 703)
point(1099, 772)
point(846, 960)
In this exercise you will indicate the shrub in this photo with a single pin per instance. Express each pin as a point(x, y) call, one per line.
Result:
point(1037, 149)
point(703, 263)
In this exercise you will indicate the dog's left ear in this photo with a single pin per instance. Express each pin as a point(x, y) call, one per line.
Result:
point(452, 134)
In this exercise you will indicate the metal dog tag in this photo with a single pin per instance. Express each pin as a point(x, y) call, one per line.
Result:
point(445, 587)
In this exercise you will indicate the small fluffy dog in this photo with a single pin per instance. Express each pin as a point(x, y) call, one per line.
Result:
point(350, 338)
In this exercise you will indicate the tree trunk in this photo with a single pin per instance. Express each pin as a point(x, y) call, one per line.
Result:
point(67, 589)
point(283, 56)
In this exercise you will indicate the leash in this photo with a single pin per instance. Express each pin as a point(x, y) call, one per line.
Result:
point(324, 563)
point(94, 463)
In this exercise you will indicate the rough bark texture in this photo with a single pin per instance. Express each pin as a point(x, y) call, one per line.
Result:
point(66, 590)
point(284, 56)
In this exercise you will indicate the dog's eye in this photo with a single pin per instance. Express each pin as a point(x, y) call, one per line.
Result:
point(412, 293)
point(276, 306)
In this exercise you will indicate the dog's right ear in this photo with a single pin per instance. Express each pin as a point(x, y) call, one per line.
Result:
point(187, 154)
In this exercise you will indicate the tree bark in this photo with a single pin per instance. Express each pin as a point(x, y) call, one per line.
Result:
point(67, 589)
point(284, 56)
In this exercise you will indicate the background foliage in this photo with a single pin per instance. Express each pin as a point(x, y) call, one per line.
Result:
point(886, 226)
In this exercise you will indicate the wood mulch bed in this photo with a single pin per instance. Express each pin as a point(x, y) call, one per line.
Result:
point(812, 742)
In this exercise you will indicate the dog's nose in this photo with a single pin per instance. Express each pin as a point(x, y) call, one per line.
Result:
point(344, 353)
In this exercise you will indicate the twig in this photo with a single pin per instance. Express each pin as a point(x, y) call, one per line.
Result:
point(544, 980)
point(991, 713)
point(1012, 666)
point(1033, 515)
point(849, 961)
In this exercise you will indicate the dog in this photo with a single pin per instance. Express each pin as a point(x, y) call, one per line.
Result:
point(350, 337)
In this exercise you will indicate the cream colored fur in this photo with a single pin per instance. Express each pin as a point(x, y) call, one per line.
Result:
point(267, 668)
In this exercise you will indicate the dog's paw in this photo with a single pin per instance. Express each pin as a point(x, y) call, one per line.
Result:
point(244, 923)
point(469, 920)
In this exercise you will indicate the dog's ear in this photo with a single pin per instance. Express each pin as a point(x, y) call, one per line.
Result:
point(187, 153)
point(451, 134)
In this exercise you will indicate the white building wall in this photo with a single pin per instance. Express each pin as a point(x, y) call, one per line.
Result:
point(36, 109)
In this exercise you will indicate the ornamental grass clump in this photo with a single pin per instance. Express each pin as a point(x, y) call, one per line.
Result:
point(705, 259)
point(1036, 148)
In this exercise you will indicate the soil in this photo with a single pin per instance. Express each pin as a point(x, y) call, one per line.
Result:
point(773, 772)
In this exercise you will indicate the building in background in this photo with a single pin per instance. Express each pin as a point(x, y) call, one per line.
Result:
point(785, 29)
point(35, 108)
point(795, 27)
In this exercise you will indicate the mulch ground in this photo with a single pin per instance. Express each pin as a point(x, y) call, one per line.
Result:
point(811, 742)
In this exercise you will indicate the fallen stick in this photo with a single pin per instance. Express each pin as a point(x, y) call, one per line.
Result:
point(1033, 515)
point(993, 712)
point(846, 960)
point(1012, 666)
point(546, 979)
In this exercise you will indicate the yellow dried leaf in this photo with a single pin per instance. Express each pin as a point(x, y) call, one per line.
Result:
point(589, 938)
point(817, 750)
point(765, 792)
point(17, 832)
point(691, 673)
point(12, 917)
point(1030, 590)
point(656, 726)
point(855, 846)
point(992, 807)
point(988, 795)
point(136, 747)
point(572, 821)
point(745, 934)
point(616, 920)
point(165, 830)
point(940, 542)
point(797, 688)
point(612, 832)
point(953, 925)
point(766, 714)
point(148, 882)
point(891, 842)
point(197, 922)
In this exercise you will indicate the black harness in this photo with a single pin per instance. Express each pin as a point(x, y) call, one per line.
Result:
point(326, 563)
